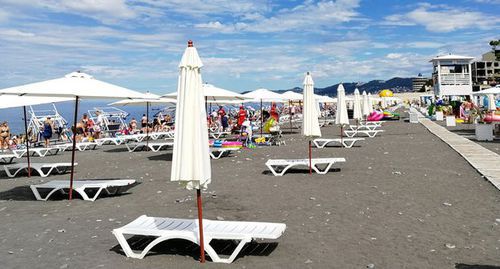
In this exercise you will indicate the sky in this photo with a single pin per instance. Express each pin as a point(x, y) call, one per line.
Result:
point(244, 45)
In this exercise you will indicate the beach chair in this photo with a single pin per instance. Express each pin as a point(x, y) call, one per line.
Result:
point(279, 166)
point(345, 142)
point(369, 133)
point(43, 169)
point(378, 123)
point(217, 135)
point(217, 153)
point(158, 135)
point(187, 229)
point(109, 141)
point(153, 146)
point(7, 158)
point(110, 187)
point(369, 127)
point(80, 146)
point(41, 152)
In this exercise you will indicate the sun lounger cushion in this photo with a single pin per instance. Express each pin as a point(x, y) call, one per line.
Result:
point(168, 228)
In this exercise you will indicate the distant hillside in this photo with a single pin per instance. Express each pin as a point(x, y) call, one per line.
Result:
point(374, 86)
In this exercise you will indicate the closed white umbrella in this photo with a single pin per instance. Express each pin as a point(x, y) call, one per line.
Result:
point(366, 108)
point(191, 159)
point(491, 102)
point(74, 85)
point(357, 115)
point(10, 101)
point(370, 103)
point(341, 117)
point(310, 123)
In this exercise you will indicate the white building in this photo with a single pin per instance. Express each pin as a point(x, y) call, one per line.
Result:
point(452, 75)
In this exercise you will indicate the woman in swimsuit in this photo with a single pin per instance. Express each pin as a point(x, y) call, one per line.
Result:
point(48, 127)
point(4, 135)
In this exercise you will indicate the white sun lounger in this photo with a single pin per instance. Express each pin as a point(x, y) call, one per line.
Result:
point(80, 146)
point(43, 169)
point(369, 127)
point(80, 186)
point(41, 152)
point(217, 135)
point(167, 228)
point(378, 123)
point(153, 146)
point(369, 133)
point(279, 166)
point(109, 141)
point(345, 142)
point(8, 158)
point(217, 153)
point(158, 135)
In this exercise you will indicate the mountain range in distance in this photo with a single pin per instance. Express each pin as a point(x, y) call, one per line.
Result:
point(394, 84)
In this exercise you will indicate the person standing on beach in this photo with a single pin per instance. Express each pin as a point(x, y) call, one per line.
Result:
point(98, 124)
point(242, 115)
point(48, 127)
point(4, 135)
point(144, 122)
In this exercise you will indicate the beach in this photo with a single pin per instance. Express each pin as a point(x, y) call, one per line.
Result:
point(403, 199)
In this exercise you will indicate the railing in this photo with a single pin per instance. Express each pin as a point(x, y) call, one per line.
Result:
point(455, 79)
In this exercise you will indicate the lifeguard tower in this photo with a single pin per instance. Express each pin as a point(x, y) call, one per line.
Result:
point(452, 75)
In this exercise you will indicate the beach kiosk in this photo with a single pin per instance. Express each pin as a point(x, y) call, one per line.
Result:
point(452, 77)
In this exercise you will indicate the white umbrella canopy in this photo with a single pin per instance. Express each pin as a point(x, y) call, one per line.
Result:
point(357, 115)
point(324, 99)
point(366, 109)
point(10, 101)
point(191, 159)
point(292, 96)
point(73, 85)
point(149, 98)
point(310, 123)
point(341, 117)
point(263, 95)
point(214, 94)
point(493, 90)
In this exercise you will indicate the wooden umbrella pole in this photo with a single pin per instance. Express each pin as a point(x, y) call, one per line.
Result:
point(310, 158)
point(27, 142)
point(200, 225)
point(342, 135)
point(73, 150)
point(290, 113)
point(147, 126)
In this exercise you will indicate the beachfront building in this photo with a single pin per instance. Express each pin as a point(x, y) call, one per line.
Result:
point(451, 75)
point(419, 82)
point(486, 71)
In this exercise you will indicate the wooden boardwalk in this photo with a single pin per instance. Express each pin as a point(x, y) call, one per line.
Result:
point(485, 161)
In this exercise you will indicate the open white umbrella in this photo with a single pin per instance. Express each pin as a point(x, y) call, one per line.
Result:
point(366, 108)
point(74, 85)
point(148, 100)
point(292, 96)
point(214, 94)
point(191, 159)
point(10, 101)
point(263, 95)
point(492, 90)
point(310, 123)
point(341, 117)
point(357, 115)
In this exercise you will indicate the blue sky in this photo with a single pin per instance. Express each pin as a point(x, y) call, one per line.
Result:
point(244, 44)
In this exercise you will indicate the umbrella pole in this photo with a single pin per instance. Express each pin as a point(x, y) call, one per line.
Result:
point(290, 113)
point(200, 225)
point(27, 142)
point(310, 158)
point(342, 135)
point(261, 118)
point(73, 150)
point(147, 126)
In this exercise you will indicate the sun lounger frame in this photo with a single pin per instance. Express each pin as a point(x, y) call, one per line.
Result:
point(187, 229)
point(371, 134)
point(345, 142)
point(153, 146)
point(285, 165)
point(60, 168)
point(217, 153)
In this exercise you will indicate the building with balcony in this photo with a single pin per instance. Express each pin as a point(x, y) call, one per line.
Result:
point(452, 75)
point(486, 71)
point(419, 82)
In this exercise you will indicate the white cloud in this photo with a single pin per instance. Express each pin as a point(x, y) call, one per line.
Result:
point(441, 18)
point(394, 55)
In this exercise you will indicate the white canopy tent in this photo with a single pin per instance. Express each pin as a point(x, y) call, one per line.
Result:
point(74, 85)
